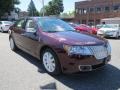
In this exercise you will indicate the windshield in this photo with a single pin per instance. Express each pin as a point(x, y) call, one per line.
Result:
point(54, 25)
point(111, 26)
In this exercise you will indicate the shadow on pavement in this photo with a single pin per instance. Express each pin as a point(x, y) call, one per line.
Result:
point(107, 78)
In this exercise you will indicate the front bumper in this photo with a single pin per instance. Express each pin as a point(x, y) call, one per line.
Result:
point(5, 29)
point(107, 34)
point(81, 64)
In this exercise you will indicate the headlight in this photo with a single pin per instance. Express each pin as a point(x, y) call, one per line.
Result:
point(82, 50)
point(109, 48)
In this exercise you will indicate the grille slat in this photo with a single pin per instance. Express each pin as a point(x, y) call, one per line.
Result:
point(99, 52)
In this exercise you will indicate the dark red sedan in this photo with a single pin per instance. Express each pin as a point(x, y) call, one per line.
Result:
point(60, 48)
point(84, 28)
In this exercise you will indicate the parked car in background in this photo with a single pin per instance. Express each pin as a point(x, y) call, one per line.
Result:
point(84, 28)
point(5, 25)
point(110, 30)
point(58, 46)
point(99, 26)
point(94, 30)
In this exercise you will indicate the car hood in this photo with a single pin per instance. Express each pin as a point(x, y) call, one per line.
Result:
point(108, 29)
point(75, 38)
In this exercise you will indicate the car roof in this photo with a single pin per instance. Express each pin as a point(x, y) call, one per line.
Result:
point(45, 17)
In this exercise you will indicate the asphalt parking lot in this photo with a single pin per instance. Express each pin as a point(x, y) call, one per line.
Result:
point(20, 71)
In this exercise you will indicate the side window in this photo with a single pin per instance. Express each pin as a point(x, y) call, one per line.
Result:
point(20, 23)
point(30, 26)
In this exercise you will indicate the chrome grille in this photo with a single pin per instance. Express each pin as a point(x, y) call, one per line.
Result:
point(99, 52)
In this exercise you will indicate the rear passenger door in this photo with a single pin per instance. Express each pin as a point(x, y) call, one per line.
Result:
point(17, 32)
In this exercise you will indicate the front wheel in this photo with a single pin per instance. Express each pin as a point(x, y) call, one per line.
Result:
point(117, 36)
point(51, 62)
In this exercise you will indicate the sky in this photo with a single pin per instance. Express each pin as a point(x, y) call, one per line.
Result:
point(68, 4)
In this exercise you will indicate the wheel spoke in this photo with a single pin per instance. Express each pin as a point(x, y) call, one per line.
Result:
point(49, 61)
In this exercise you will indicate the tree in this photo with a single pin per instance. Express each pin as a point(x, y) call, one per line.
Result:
point(60, 5)
point(68, 15)
point(7, 6)
point(54, 7)
point(32, 9)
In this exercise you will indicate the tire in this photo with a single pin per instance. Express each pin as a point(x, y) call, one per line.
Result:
point(2, 30)
point(117, 36)
point(50, 62)
point(12, 44)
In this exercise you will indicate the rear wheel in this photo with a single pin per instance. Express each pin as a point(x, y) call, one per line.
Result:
point(51, 62)
point(12, 45)
point(2, 30)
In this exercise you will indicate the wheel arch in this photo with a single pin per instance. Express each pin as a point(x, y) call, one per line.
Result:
point(46, 47)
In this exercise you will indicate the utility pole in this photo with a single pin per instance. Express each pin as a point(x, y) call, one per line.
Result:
point(43, 8)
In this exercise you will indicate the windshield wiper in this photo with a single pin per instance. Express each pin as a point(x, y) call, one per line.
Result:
point(51, 31)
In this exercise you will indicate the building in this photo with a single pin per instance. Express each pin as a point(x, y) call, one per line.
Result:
point(23, 14)
point(13, 16)
point(10, 16)
point(92, 11)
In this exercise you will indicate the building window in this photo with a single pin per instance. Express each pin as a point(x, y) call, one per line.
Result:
point(76, 10)
point(91, 10)
point(107, 9)
point(83, 21)
point(98, 9)
point(80, 11)
point(116, 7)
point(97, 21)
point(84, 11)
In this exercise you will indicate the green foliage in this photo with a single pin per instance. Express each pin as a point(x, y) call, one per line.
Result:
point(69, 14)
point(54, 7)
point(17, 10)
point(32, 9)
point(7, 5)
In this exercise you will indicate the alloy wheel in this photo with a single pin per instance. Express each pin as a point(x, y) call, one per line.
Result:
point(49, 62)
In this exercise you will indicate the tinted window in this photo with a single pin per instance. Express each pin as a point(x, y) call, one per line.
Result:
point(30, 26)
point(53, 25)
point(20, 24)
